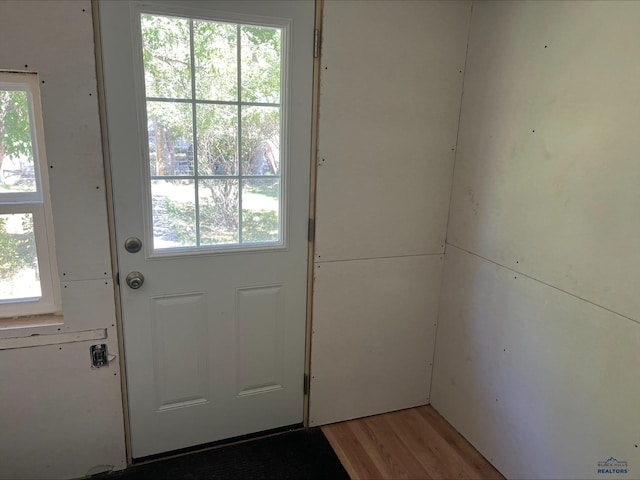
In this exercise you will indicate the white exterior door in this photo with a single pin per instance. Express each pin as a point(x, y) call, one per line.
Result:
point(209, 120)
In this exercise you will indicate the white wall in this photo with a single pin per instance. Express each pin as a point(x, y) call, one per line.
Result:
point(390, 85)
point(60, 418)
point(538, 335)
point(538, 339)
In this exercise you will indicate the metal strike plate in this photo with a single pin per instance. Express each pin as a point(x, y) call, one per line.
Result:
point(99, 356)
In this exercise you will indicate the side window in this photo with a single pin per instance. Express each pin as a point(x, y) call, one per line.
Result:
point(29, 283)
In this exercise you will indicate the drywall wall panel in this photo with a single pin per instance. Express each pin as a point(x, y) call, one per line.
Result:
point(61, 418)
point(547, 172)
point(55, 39)
point(542, 383)
point(86, 304)
point(390, 85)
point(373, 336)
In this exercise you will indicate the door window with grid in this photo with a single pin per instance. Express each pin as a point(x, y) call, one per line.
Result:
point(214, 121)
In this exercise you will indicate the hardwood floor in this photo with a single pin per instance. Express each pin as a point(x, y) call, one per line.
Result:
point(411, 444)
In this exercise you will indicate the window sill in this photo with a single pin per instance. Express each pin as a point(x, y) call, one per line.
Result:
point(47, 339)
point(30, 321)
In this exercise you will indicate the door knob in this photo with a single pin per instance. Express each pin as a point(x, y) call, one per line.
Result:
point(135, 280)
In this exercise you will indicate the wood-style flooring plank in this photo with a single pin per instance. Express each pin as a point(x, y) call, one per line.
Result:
point(459, 443)
point(366, 438)
point(400, 461)
point(433, 451)
point(416, 443)
point(349, 450)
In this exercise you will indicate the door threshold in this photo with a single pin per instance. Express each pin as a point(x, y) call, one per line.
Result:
point(217, 444)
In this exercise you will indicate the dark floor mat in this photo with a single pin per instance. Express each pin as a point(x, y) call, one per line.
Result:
point(294, 455)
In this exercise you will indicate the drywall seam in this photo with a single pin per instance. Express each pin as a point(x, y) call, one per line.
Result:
point(455, 154)
point(453, 173)
point(545, 283)
point(377, 258)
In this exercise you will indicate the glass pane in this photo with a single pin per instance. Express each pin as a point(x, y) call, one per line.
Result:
point(218, 212)
point(17, 172)
point(170, 138)
point(260, 140)
point(19, 278)
point(261, 48)
point(261, 210)
point(167, 56)
point(217, 129)
point(174, 213)
point(216, 60)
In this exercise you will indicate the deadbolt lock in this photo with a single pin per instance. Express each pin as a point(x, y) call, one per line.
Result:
point(133, 244)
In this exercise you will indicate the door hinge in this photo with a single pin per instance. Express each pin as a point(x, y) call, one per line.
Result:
point(311, 231)
point(316, 43)
point(305, 388)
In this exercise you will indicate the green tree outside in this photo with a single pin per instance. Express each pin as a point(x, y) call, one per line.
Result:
point(15, 133)
point(17, 249)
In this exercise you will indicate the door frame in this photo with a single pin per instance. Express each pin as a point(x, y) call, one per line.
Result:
point(315, 105)
point(111, 217)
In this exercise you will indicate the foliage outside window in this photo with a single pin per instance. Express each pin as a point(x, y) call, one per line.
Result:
point(28, 275)
point(213, 106)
